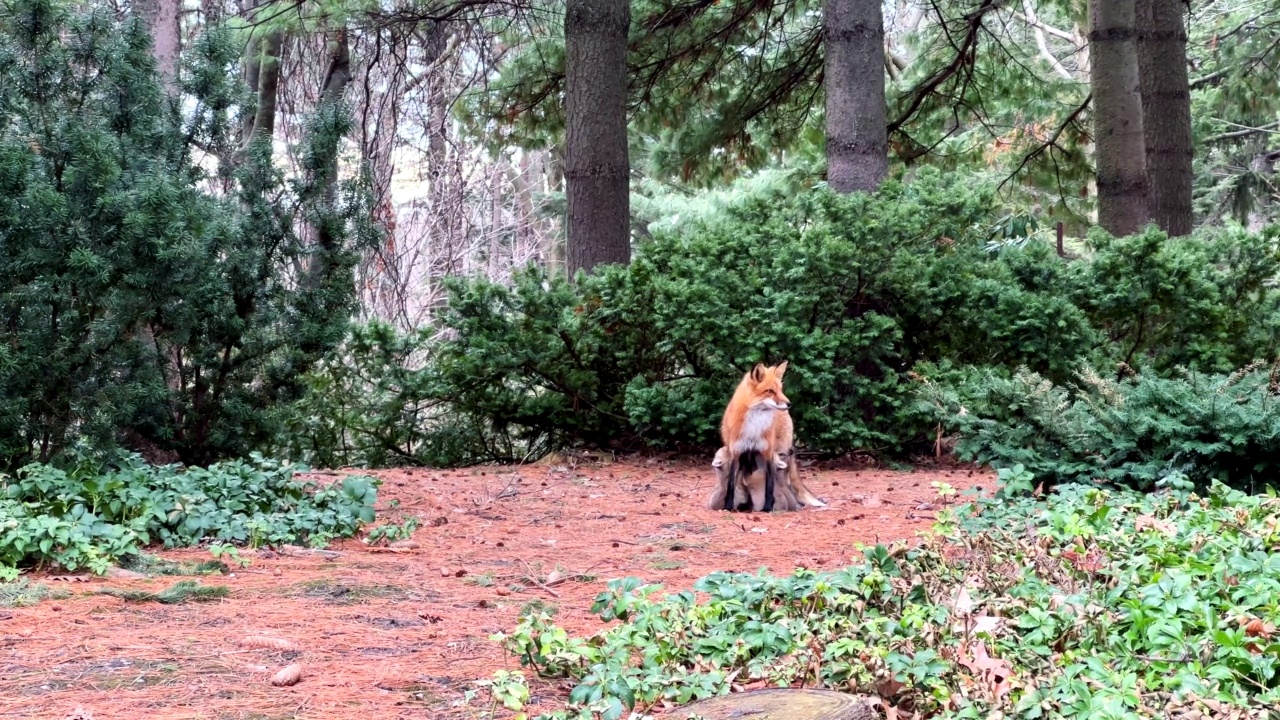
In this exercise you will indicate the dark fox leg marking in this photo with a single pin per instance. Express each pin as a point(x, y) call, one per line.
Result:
point(769, 477)
point(732, 480)
point(746, 463)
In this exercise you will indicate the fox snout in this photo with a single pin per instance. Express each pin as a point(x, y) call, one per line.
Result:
point(780, 403)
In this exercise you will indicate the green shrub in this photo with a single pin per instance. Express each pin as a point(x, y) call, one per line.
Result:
point(91, 516)
point(1204, 302)
point(140, 306)
point(852, 290)
point(1085, 604)
point(855, 291)
point(1136, 431)
point(369, 404)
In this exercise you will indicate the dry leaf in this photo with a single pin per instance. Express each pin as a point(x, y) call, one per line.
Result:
point(889, 687)
point(994, 672)
point(70, 578)
point(117, 573)
point(986, 624)
point(261, 641)
point(872, 501)
point(404, 544)
point(1143, 522)
point(963, 603)
point(289, 675)
point(80, 714)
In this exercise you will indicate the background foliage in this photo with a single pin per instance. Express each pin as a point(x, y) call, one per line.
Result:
point(153, 297)
point(861, 294)
point(93, 516)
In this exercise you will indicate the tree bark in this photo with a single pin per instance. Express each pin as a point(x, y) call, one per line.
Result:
point(1166, 112)
point(857, 139)
point(336, 80)
point(1117, 118)
point(597, 168)
point(162, 18)
point(268, 65)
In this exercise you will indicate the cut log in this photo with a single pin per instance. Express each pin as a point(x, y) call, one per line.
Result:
point(781, 704)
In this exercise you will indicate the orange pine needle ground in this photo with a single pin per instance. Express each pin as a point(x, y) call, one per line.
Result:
point(384, 634)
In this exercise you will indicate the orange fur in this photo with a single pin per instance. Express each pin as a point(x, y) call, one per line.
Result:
point(740, 430)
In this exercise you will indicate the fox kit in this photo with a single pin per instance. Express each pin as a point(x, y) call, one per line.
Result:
point(751, 492)
point(790, 489)
point(749, 430)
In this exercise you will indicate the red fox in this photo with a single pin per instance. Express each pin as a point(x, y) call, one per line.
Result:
point(750, 430)
point(791, 493)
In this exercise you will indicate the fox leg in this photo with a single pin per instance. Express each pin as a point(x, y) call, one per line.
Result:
point(747, 468)
point(770, 479)
point(731, 480)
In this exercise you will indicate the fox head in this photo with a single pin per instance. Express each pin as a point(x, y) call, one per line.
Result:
point(766, 386)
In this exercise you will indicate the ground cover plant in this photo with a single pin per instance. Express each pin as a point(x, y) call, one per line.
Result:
point(91, 516)
point(1089, 603)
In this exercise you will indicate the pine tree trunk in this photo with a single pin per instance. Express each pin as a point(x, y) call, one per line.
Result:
point(336, 80)
point(1117, 118)
point(1166, 112)
point(162, 17)
point(597, 169)
point(264, 123)
point(857, 143)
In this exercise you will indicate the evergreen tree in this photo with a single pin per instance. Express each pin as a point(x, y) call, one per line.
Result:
point(857, 144)
point(141, 307)
point(1166, 112)
point(1117, 113)
point(597, 170)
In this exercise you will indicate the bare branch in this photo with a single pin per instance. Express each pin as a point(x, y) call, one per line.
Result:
point(1043, 42)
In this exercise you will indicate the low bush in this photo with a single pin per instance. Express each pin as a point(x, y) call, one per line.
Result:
point(1137, 431)
point(853, 290)
point(91, 516)
point(1085, 604)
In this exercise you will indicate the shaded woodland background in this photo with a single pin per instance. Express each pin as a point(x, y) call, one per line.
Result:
point(348, 233)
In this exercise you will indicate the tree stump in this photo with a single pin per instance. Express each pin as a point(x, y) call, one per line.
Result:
point(780, 704)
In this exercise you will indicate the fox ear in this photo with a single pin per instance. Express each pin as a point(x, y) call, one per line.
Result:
point(781, 369)
point(757, 372)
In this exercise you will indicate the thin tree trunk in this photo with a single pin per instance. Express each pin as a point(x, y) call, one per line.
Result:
point(1117, 118)
point(597, 168)
point(162, 17)
point(264, 122)
point(1166, 112)
point(336, 80)
point(212, 11)
point(857, 142)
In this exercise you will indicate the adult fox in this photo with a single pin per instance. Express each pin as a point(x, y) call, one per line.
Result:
point(790, 491)
point(755, 427)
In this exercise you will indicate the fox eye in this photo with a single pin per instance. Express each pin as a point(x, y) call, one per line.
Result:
point(771, 392)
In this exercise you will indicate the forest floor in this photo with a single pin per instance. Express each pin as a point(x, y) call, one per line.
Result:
point(403, 634)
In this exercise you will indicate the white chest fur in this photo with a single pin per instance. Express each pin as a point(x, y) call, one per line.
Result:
point(759, 419)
